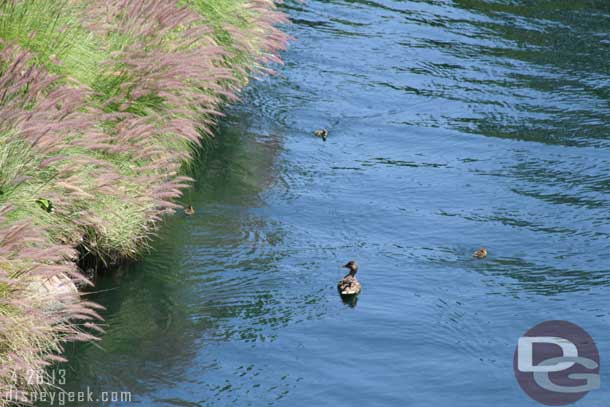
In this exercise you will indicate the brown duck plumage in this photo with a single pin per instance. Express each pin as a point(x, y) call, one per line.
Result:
point(480, 254)
point(190, 211)
point(322, 133)
point(349, 285)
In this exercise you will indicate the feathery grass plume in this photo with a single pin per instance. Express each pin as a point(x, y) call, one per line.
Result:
point(168, 96)
point(39, 309)
point(247, 30)
point(102, 103)
point(31, 331)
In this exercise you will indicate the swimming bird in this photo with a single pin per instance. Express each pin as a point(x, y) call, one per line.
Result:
point(190, 211)
point(481, 253)
point(322, 133)
point(349, 285)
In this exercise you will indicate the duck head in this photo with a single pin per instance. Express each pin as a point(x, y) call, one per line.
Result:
point(352, 266)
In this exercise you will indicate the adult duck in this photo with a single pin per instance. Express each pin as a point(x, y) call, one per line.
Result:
point(349, 285)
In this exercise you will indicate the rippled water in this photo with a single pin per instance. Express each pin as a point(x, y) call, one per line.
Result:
point(453, 125)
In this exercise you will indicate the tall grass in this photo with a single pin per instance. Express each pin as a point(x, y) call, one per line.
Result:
point(102, 103)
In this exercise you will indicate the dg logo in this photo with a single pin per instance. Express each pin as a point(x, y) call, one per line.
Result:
point(556, 363)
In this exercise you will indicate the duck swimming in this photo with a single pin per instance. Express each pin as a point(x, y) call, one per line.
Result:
point(349, 285)
point(190, 211)
point(480, 254)
point(322, 133)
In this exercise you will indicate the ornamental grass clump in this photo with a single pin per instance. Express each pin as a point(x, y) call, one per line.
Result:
point(102, 105)
point(32, 331)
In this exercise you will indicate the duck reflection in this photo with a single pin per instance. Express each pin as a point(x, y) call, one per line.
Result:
point(350, 300)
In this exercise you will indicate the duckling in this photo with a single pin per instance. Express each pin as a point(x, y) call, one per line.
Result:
point(349, 285)
point(480, 254)
point(322, 133)
point(190, 211)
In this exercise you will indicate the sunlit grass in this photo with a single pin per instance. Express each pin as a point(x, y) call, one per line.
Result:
point(102, 105)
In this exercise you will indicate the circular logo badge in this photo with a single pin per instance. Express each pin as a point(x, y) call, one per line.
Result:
point(556, 363)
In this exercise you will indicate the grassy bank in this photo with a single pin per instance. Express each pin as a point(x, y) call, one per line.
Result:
point(102, 104)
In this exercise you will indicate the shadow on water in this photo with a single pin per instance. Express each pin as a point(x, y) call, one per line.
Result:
point(208, 278)
point(350, 300)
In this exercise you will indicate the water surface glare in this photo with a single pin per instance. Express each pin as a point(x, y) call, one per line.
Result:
point(453, 125)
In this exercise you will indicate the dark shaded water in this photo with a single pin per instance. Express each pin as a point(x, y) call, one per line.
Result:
point(454, 124)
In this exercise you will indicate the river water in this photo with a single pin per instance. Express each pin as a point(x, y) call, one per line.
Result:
point(453, 125)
